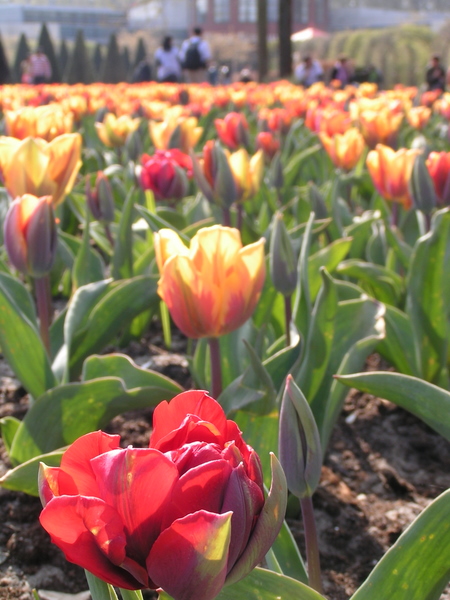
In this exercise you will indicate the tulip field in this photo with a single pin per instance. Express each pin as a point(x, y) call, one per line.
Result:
point(224, 334)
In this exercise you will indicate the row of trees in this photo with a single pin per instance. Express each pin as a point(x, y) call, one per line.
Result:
point(78, 64)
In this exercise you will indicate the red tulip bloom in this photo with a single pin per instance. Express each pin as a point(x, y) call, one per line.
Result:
point(164, 174)
point(187, 514)
point(268, 143)
point(438, 164)
point(232, 130)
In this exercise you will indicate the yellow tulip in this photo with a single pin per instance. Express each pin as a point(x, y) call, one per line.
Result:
point(213, 287)
point(176, 131)
point(344, 150)
point(46, 122)
point(34, 166)
point(248, 172)
point(114, 131)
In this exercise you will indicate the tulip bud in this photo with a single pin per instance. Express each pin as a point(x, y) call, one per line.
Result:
point(100, 199)
point(30, 235)
point(215, 179)
point(133, 145)
point(299, 442)
point(317, 201)
point(276, 172)
point(283, 266)
point(421, 186)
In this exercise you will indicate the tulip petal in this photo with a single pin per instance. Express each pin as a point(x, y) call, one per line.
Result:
point(90, 533)
point(189, 559)
point(138, 483)
point(167, 243)
point(267, 526)
point(65, 162)
point(14, 239)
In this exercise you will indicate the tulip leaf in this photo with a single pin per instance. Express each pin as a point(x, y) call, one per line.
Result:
point(262, 584)
point(328, 257)
point(70, 248)
point(428, 291)
point(113, 365)
point(66, 412)
point(302, 307)
point(24, 477)
point(122, 263)
point(398, 346)
point(287, 555)
point(9, 426)
point(19, 338)
point(417, 565)
point(279, 364)
point(156, 222)
point(380, 282)
point(100, 590)
point(112, 312)
point(298, 163)
point(88, 267)
point(402, 250)
point(428, 402)
point(360, 231)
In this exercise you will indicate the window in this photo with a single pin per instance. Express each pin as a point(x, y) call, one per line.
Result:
point(272, 11)
point(221, 11)
point(300, 11)
point(201, 8)
point(247, 11)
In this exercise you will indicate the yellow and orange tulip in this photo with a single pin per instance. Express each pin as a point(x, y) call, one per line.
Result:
point(345, 149)
point(213, 287)
point(34, 166)
point(176, 131)
point(418, 116)
point(114, 131)
point(46, 122)
point(380, 126)
point(391, 172)
point(247, 172)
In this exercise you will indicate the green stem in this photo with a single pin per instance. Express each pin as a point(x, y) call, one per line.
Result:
point(44, 308)
point(226, 217)
point(109, 235)
point(312, 544)
point(216, 367)
point(287, 318)
point(165, 321)
point(240, 216)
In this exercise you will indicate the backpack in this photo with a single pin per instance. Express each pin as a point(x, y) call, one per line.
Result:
point(192, 59)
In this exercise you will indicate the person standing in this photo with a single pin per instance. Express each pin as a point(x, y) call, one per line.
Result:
point(342, 72)
point(195, 55)
point(40, 68)
point(309, 71)
point(167, 62)
point(435, 74)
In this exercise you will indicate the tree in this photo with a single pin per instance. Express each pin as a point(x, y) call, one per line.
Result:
point(79, 67)
point(45, 42)
point(22, 52)
point(141, 52)
point(262, 40)
point(113, 70)
point(284, 37)
point(4, 67)
point(63, 56)
point(126, 62)
point(98, 60)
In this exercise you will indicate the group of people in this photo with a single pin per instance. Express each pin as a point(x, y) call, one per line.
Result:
point(36, 68)
point(310, 71)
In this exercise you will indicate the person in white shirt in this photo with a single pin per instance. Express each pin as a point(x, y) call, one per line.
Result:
point(168, 62)
point(195, 55)
point(309, 71)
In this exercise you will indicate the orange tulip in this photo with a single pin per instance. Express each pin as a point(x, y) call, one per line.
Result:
point(380, 126)
point(438, 164)
point(213, 287)
point(114, 131)
point(345, 149)
point(232, 130)
point(46, 122)
point(418, 116)
point(34, 166)
point(268, 143)
point(391, 172)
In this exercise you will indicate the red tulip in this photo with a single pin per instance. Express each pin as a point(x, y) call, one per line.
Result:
point(438, 164)
point(268, 143)
point(232, 130)
point(187, 514)
point(164, 174)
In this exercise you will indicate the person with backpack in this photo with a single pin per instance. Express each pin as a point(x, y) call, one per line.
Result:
point(195, 55)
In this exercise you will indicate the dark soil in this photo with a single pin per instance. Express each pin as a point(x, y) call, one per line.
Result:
point(383, 467)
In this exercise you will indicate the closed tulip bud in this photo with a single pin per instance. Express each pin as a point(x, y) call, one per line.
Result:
point(276, 172)
point(317, 201)
point(133, 145)
point(188, 514)
point(421, 186)
point(438, 164)
point(299, 442)
point(214, 176)
point(100, 199)
point(283, 265)
point(30, 235)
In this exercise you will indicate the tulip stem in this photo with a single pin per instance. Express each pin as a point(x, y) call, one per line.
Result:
point(312, 544)
point(226, 217)
point(109, 235)
point(240, 216)
point(44, 308)
point(394, 214)
point(216, 367)
point(287, 318)
point(165, 322)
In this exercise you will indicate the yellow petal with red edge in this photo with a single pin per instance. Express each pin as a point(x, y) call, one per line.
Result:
point(167, 243)
point(65, 162)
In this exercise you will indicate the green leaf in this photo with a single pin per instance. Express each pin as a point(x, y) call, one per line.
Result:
point(88, 266)
point(262, 584)
point(428, 292)
point(301, 313)
point(328, 257)
point(122, 263)
point(120, 365)
point(24, 477)
point(382, 283)
point(287, 555)
point(417, 565)
point(63, 414)
point(9, 426)
point(156, 223)
point(428, 402)
point(100, 590)
point(398, 346)
point(19, 338)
